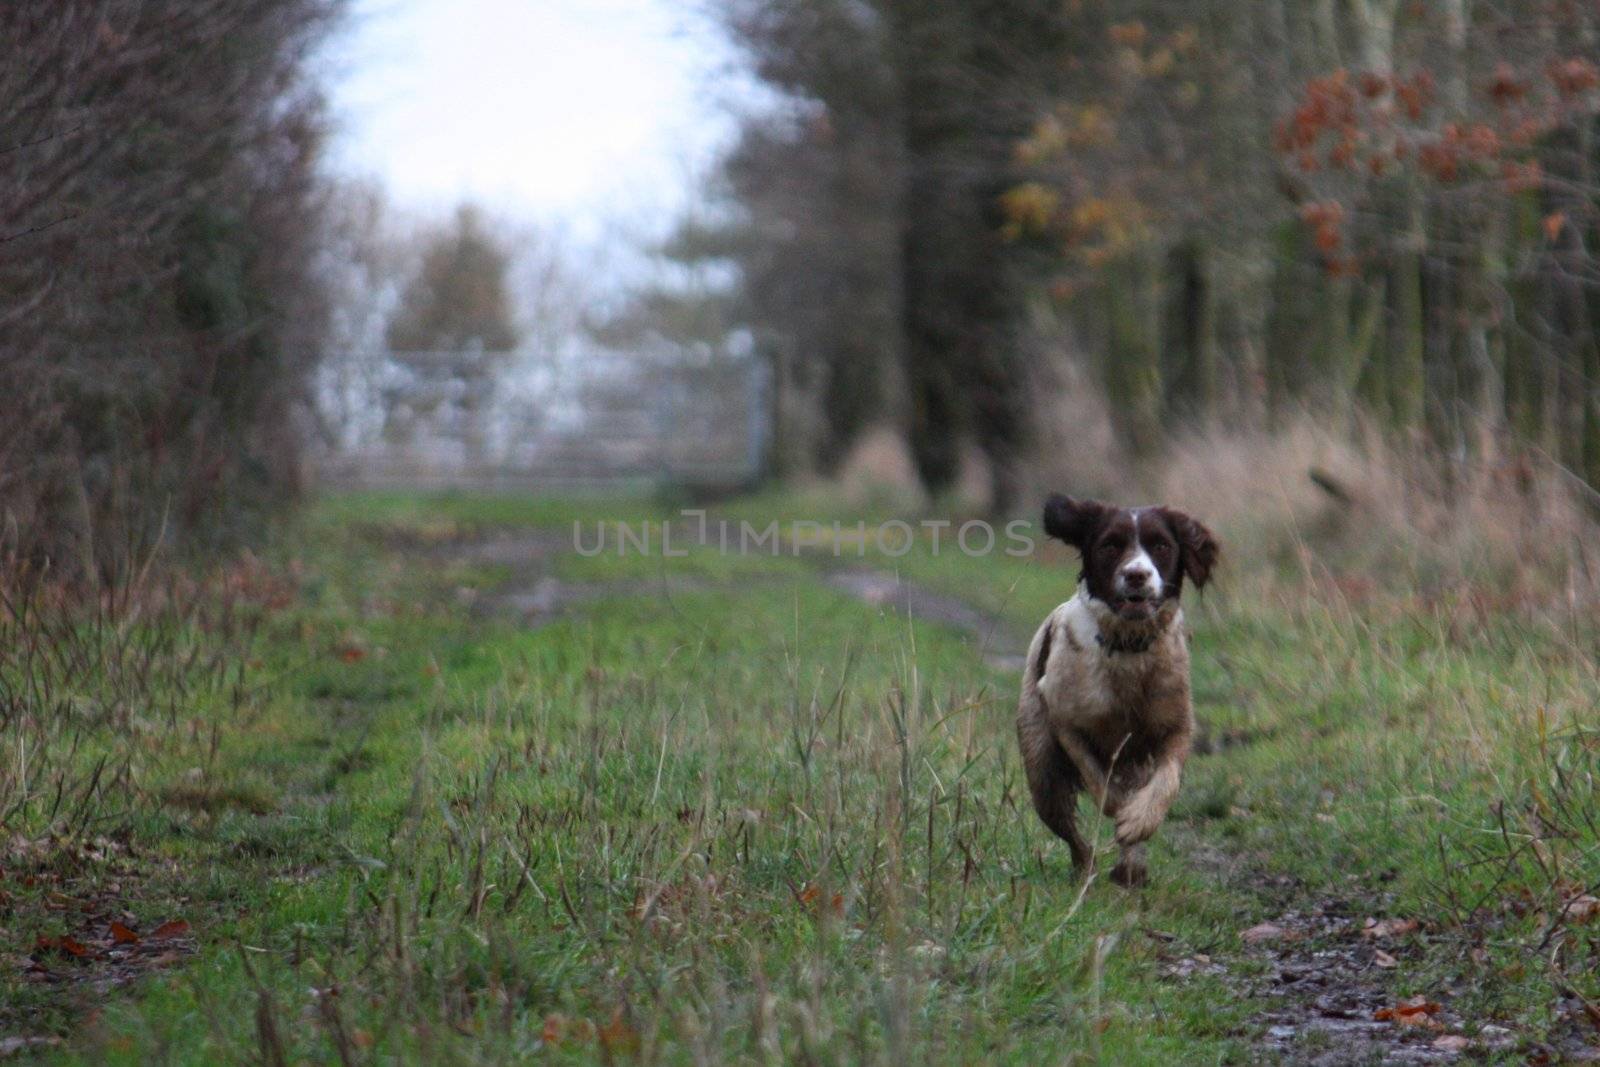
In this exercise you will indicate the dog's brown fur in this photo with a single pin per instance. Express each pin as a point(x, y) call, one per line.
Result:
point(1105, 693)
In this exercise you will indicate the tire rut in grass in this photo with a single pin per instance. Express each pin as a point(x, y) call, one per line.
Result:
point(998, 645)
point(533, 594)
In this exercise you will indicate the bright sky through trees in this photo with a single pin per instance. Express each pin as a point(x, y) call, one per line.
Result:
point(579, 113)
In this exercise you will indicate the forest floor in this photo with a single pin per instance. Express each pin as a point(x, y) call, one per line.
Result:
point(439, 788)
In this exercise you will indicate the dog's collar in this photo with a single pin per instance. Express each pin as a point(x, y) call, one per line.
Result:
point(1130, 643)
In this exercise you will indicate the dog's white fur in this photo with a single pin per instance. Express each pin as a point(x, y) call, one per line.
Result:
point(1124, 718)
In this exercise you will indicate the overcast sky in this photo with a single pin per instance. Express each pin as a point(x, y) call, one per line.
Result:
point(588, 115)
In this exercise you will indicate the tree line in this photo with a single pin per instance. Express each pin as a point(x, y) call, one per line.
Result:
point(1375, 211)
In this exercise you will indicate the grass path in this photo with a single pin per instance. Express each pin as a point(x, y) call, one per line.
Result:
point(491, 801)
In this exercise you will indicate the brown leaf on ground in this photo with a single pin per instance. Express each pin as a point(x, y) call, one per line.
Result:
point(1417, 1011)
point(1263, 932)
point(1376, 928)
point(1581, 909)
point(169, 929)
point(122, 935)
point(617, 1037)
point(66, 945)
point(811, 897)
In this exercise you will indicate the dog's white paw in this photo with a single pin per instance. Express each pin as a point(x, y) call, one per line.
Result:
point(1139, 819)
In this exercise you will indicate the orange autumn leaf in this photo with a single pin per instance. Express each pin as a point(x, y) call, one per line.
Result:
point(122, 935)
point(1389, 927)
point(1417, 1011)
point(1129, 34)
point(1573, 76)
point(1553, 223)
point(169, 929)
point(1506, 88)
point(65, 944)
point(617, 1036)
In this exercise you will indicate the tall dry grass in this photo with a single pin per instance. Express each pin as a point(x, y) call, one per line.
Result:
point(1347, 508)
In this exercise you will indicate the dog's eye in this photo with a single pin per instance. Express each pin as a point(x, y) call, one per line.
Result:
point(1161, 548)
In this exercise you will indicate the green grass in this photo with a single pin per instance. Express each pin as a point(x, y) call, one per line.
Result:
point(756, 819)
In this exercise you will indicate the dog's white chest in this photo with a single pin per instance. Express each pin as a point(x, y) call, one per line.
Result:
point(1084, 683)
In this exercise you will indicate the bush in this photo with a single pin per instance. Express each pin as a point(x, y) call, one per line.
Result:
point(159, 200)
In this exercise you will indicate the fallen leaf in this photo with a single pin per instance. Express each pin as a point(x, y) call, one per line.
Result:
point(555, 1026)
point(1452, 1043)
point(1417, 1011)
point(1553, 223)
point(1581, 909)
point(169, 929)
point(122, 935)
point(1263, 932)
point(65, 944)
point(351, 653)
point(1383, 959)
point(617, 1036)
point(1389, 927)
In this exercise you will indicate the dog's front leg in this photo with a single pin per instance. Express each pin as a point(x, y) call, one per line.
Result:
point(1142, 812)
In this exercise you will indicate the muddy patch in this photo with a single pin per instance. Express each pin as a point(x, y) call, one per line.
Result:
point(1328, 970)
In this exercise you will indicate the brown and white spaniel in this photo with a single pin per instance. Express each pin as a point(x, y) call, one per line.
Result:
point(1105, 693)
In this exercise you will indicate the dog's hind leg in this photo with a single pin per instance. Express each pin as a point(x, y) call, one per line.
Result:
point(1130, 871)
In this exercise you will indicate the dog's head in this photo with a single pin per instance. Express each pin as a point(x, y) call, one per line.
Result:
point(1134, 559)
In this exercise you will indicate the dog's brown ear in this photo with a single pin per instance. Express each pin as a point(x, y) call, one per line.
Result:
point(1072, 521)
point(1197, 548)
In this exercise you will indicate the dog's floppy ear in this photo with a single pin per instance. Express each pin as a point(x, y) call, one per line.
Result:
point(1072, 521)
point(1197, 548)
